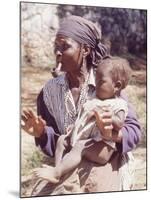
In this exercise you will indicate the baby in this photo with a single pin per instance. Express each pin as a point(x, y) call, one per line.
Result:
point(112, 75)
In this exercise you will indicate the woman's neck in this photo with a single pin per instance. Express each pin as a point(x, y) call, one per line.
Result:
point(76, 80)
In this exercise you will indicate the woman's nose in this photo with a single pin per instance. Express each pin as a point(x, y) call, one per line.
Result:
point(58, 56)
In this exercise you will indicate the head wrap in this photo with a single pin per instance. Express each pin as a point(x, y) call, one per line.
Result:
point(84, 32)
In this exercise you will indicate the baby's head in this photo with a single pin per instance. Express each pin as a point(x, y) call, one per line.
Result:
point(112, 75)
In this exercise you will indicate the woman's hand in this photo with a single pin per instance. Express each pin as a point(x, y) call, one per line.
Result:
point(104, 122)
point(32, 124)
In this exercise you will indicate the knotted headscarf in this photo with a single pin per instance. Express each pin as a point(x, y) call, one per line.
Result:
point(84, 32)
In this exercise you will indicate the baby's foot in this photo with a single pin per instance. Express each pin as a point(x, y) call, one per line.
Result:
point(48, 173)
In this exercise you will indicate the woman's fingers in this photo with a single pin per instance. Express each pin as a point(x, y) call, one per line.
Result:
point(108, 131)
point(41, 120)
point(24, 118)
point(23, 121)
point(29, 114)
point(32, 123)
point(26, 114)
point(109, 127)
point(104, 121)
point(32, 114)
point(105, 117)
point(107, 121)
point(106, 114)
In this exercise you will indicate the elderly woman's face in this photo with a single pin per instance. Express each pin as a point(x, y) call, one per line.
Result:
point(67, 52)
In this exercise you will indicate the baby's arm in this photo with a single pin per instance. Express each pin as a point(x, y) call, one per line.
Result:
point(118, 120)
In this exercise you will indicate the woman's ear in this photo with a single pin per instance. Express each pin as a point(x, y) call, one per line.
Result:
point(117, 87)
point(86, 50)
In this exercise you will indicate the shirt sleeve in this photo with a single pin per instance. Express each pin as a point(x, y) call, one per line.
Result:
point(131, 131)
point(47, 141)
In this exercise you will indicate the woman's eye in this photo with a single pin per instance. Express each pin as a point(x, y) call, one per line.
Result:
point(100, 82)
point(61, 48)
point(65, 47)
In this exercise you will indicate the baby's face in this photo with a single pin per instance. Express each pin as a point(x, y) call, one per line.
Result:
point(105, 87)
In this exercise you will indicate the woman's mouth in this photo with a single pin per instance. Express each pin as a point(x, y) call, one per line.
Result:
point(56, 71)
point(58, 68)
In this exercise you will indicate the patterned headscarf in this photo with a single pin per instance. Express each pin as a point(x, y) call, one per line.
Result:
point(84, 32)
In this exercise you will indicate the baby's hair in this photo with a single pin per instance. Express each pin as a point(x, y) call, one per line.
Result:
point(119, 68)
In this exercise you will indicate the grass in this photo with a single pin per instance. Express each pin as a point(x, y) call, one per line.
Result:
point(33, 160)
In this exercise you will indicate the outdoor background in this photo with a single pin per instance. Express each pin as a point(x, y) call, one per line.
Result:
point(124, 32)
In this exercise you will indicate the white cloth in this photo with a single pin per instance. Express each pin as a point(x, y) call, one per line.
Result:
point(84, 129)
point(127, 172)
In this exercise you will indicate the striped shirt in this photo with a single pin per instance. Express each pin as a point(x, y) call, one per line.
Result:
point(59, 100)
point(54, 97)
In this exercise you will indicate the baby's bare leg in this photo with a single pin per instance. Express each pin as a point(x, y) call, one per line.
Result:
point(62, 146)
point(72, 159)
point(47, 173)
point(69, 162)
point(99, 152)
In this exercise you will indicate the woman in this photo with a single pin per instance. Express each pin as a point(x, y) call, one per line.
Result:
point(78, 50)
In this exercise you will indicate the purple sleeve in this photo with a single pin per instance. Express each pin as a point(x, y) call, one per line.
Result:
point(131, 130)
point(47, 141)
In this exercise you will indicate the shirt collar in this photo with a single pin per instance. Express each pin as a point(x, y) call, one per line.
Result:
point(61, 79)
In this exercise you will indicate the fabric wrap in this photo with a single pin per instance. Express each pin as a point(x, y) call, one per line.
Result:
point(84, 32)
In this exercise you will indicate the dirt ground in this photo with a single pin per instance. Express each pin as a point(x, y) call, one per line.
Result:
point(32, 80)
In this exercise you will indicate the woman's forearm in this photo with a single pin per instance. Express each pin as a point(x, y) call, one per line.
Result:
point(47, 141)
point(42, 140)
point(131, 135)
point(128, 137)
point(131, 131)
